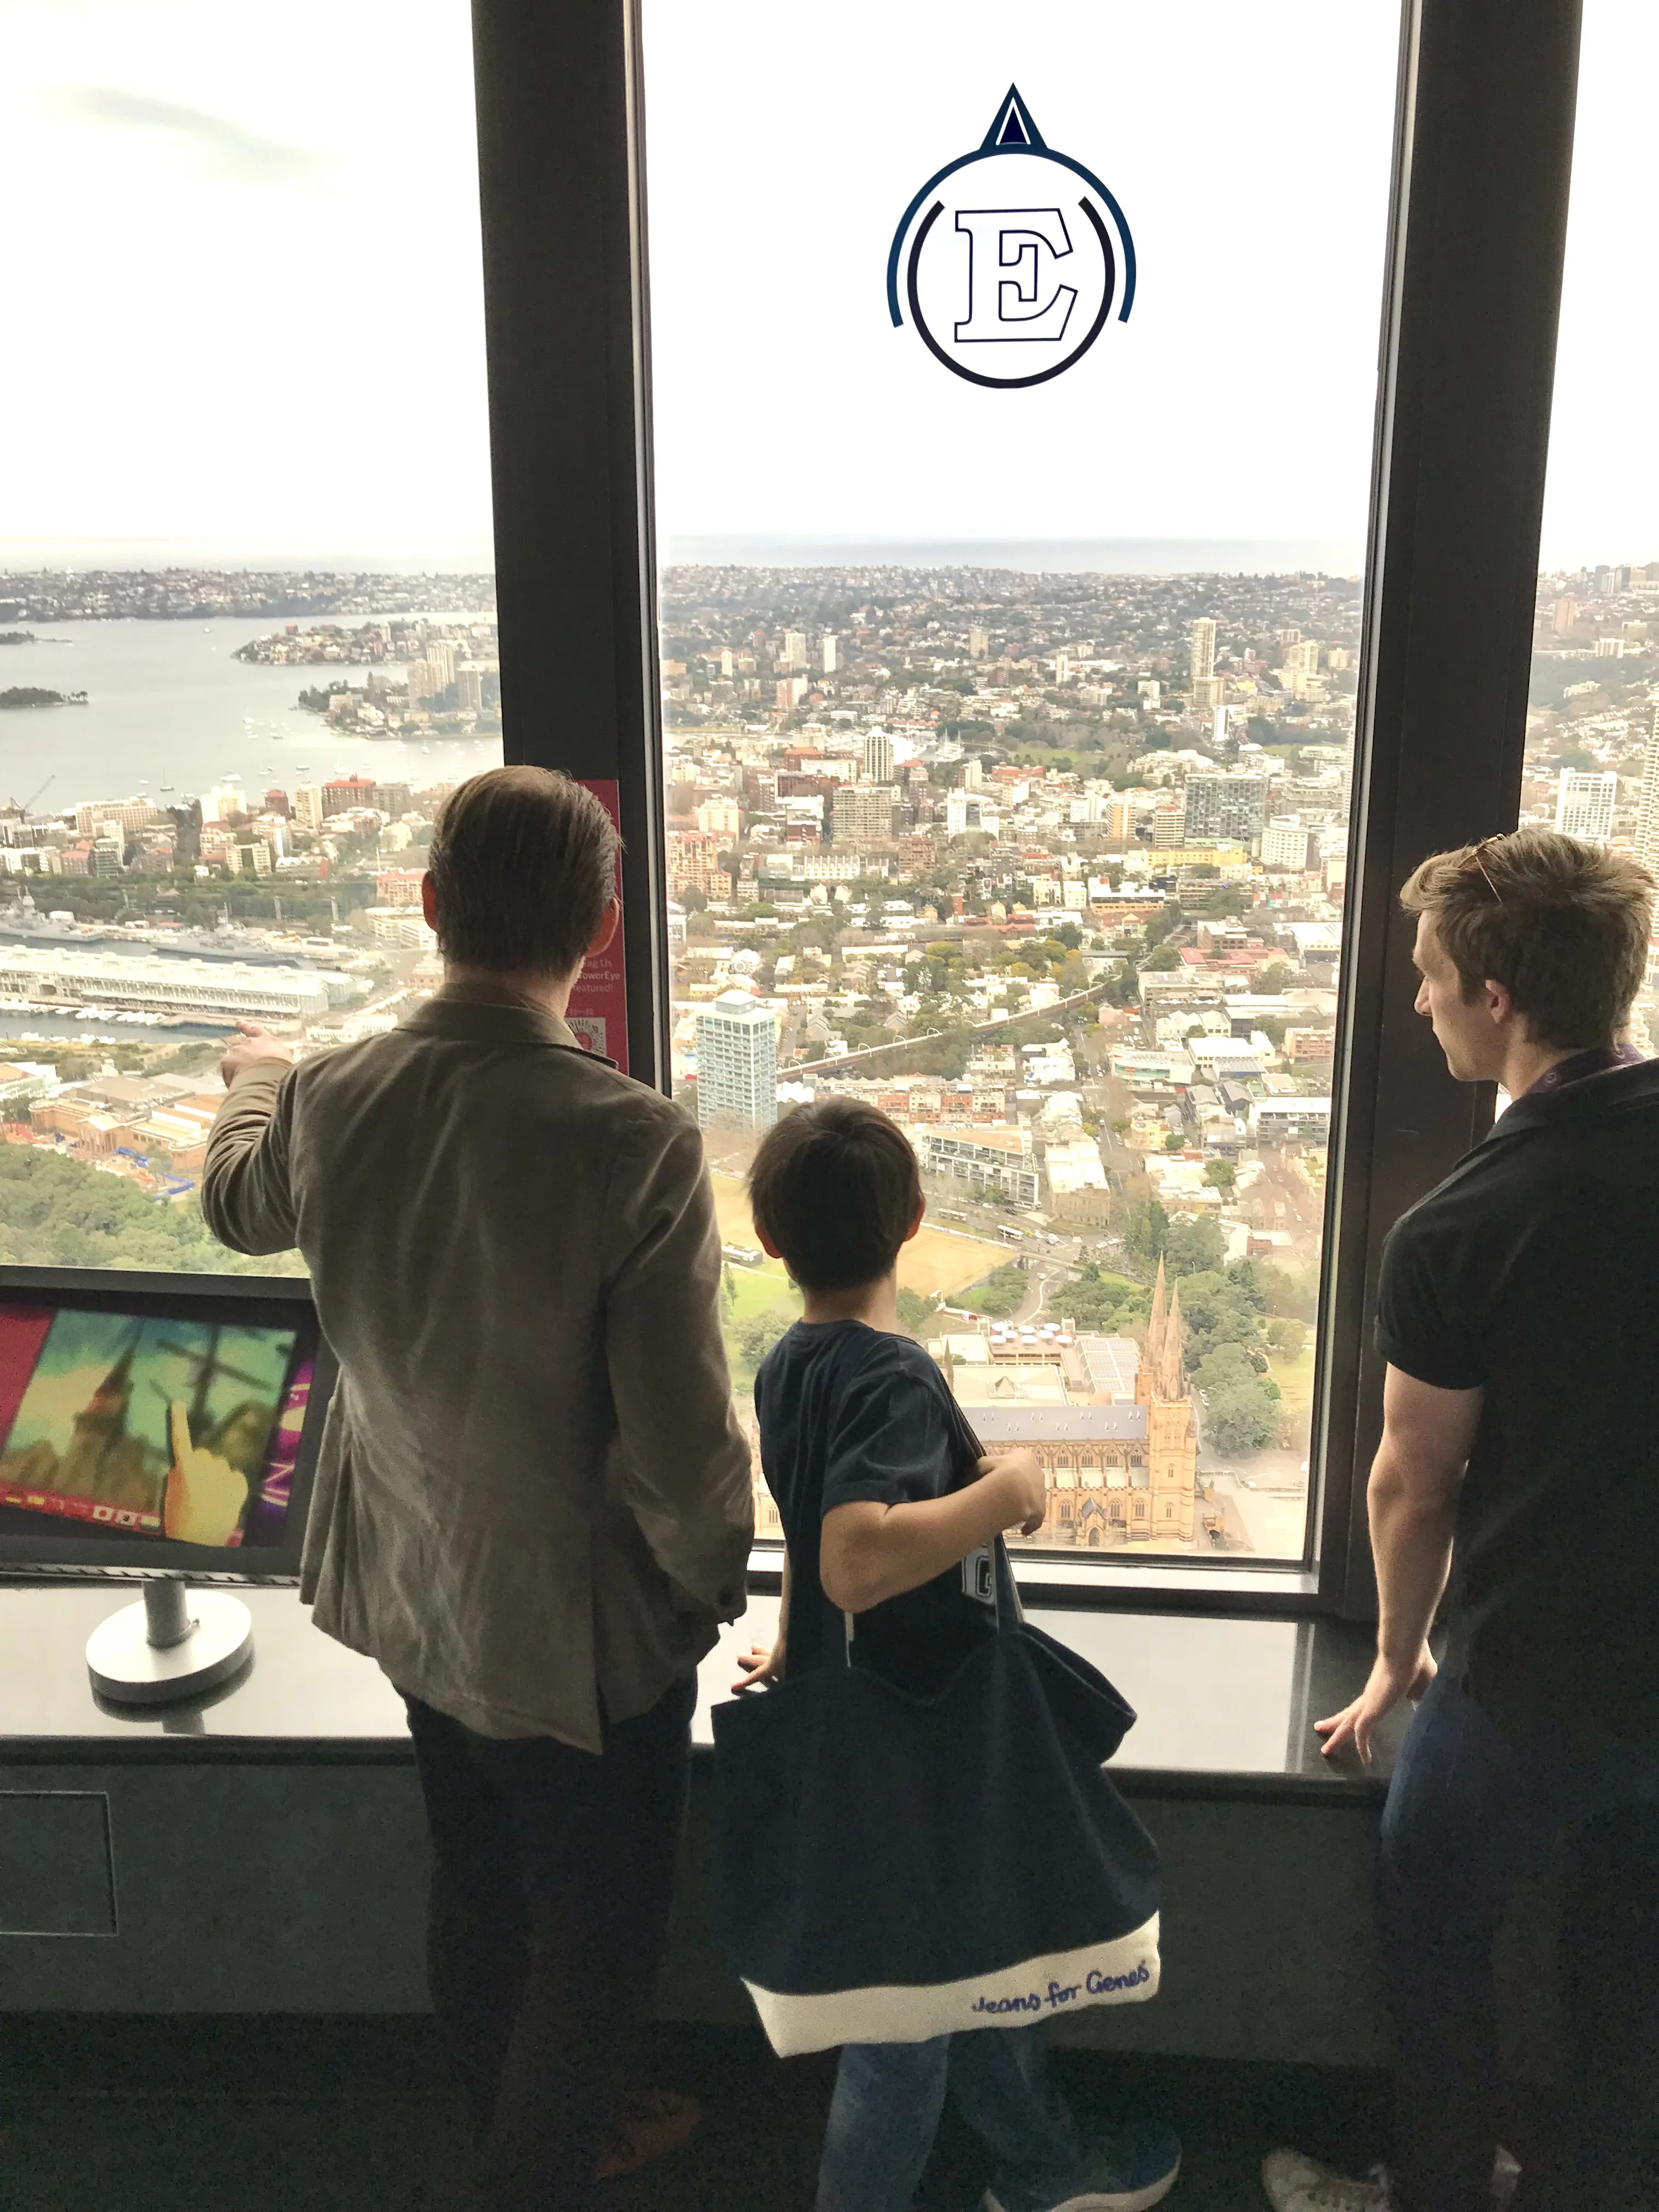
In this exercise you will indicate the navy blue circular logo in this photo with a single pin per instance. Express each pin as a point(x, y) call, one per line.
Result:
point(1012, 260)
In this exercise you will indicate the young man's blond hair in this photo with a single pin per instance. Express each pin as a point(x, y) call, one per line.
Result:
point(1562, 924)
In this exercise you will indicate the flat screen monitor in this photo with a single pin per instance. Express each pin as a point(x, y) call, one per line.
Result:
point(153, 1425)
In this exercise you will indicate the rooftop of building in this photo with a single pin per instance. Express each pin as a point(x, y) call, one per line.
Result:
point(1061, 1424)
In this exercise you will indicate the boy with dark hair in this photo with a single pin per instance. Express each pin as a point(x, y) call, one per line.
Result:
point(860, 1444)
point(533, 1501)
point(1518, 1473)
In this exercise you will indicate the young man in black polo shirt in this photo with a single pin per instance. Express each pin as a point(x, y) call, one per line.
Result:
point(1518, 1476)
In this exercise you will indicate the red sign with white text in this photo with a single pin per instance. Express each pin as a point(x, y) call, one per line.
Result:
point(598, 1005)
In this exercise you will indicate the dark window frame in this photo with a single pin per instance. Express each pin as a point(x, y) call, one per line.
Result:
point(1471, 296)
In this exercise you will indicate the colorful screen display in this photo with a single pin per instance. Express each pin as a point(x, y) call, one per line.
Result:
point(144, 1426)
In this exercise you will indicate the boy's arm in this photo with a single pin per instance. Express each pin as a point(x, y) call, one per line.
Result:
point(870, 1551)
point(764, 1666)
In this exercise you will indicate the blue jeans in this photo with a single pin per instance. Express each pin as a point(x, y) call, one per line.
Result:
point(1471, 1807)
point(886, 2113)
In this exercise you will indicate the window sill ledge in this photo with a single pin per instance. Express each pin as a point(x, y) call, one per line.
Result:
point(1226, 1700)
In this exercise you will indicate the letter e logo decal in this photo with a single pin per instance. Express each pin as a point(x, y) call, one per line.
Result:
point(1009, 272)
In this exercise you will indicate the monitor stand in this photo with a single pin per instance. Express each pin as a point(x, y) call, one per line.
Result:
point(177, 1644)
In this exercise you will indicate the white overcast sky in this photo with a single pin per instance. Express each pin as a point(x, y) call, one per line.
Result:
point(245, 307)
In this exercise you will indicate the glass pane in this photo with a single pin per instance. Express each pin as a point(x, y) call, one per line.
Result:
point(1592, 763)
point(247, 636)
point(1013, 460)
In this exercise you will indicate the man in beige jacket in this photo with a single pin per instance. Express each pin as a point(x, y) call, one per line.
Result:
point(533, 1504)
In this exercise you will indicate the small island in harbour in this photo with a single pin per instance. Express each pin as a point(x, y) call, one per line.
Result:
point(31, 694)
point(16, 637)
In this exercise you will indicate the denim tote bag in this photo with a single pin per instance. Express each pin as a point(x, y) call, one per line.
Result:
point(893, 1867)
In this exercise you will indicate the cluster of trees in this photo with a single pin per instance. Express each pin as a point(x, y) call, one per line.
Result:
point(1001, 1293)
point(1223, 1312)
point(1236, 1313)
point(756, 1335)
point(181, 899)
point(58, 1213)
point(1186, 1246)
point(1101, 1305)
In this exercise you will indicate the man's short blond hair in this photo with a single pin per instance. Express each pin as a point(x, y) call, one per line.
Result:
point(1562, 925)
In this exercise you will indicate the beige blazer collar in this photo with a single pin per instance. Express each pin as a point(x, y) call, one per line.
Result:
point(458, 1011)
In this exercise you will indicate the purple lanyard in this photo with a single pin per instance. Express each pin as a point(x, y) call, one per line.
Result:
point(1599, 1060)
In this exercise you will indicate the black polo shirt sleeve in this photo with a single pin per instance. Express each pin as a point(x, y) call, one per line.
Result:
point(891, 1441)
point(1431, 1323)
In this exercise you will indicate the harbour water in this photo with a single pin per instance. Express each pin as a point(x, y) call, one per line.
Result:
point(101, 1027)
point(171, 712)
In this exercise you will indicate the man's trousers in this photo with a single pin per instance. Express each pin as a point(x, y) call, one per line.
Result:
point(550, 1885)
point(1470, 1807)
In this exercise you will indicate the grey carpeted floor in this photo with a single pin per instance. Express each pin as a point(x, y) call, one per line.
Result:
point(128, 2115)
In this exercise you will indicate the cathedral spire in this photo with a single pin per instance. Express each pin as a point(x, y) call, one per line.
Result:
point(1172, 1382)
point(1155, 1324)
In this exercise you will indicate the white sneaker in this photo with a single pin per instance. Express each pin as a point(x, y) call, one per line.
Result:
point(1295, 2184)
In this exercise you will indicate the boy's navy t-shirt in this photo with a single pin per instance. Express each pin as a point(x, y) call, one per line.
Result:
point(848, 1413)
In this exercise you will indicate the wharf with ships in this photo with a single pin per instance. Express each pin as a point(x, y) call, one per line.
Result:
point(58, 971)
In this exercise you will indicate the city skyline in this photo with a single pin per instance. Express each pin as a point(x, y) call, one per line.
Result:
point(1048, 866)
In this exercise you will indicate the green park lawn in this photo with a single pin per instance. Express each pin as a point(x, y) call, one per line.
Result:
point(1295, 1378)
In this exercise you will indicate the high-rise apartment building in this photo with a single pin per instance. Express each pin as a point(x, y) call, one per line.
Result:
point(737, 1063)
point(469, 687)
point(1225, 810)
point(979, 642)
point(1202, 634)
point(1566, 616)
point(308, 805)
point(1287, 842)
point(1584, 804)
point(878, 757)
point(793, 651)
point(863, 818)
point(440, 660)
point(789, 691)
point(827, 652)
point(1647, 813)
